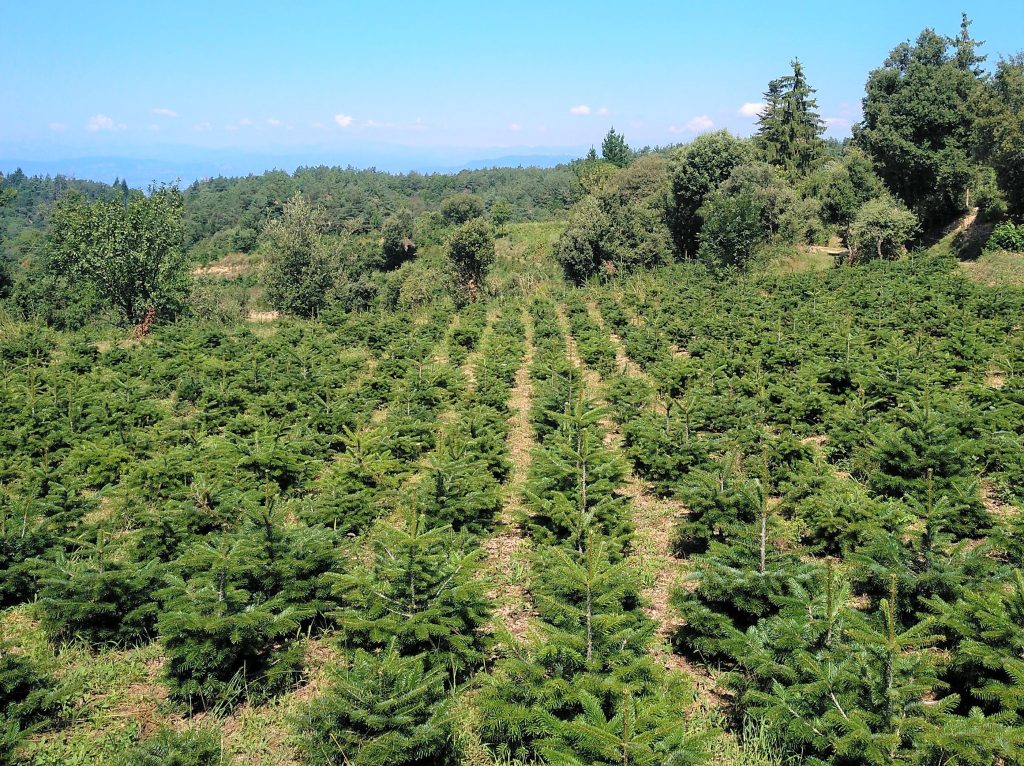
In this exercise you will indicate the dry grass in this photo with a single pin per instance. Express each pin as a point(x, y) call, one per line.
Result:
point(261, 317)
point(231, 266)
point(507, 550)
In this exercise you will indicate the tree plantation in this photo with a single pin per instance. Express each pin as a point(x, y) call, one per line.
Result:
point(702, 454)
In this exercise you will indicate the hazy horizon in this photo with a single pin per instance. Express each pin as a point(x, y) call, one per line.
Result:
point(146, 93)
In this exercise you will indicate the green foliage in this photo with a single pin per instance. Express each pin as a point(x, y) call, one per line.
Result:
point(1006, 236)
point(881, 229)
point(919, 126)
point(732, 230)
point(789, 128)
point(573, 483)
point(196, 746)
point(99, 595)
point(615, 150)
point(500, 212)
point(420, 593)
point(696, 171)
point(459, 490)
point(355, 488)
point(224, 643)
point(385, 708)
point(1001, 129)
point(397, 239)
point(301, 265)
point(644, 731)
point(129, 249)
point(461, 208)
point(620, 226)
point(470, 253)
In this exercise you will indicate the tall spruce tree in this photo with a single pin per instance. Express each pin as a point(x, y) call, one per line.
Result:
point(615, 150)
point(789, 128)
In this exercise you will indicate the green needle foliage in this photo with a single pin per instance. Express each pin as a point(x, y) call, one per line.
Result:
point(574, 481)
point(642, 731)
point(197, 746)
point(419, 592)
point(386, 709)
point(356, 487)
point(459, 490)
point(224, 643)
point(100, 595)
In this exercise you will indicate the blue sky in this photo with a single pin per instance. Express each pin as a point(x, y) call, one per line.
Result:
point(188, 80)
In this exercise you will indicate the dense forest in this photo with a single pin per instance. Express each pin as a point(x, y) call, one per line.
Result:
point(702, 454)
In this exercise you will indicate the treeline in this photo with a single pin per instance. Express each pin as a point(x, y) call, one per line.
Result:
point(327, 236)
point(235, 209)
point(940, 136)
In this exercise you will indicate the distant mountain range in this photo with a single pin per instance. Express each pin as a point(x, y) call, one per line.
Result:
point(140, 172)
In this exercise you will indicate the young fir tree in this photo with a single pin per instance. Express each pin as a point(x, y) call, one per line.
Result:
point(29, 698)
point(419, 591)
point(984, 629)
point(25, 536)
point(459, 490)
point(639, 731)
point(720, 501)
point(354, 489)
point(386, 709)
point(739, 582)
point(101, 594)
point(591, 654)
point(574, 482)
point(225, 644)
point(287, 562)
point(789, 128)
point(840, 686)
point(196, 746)
point(925, 561)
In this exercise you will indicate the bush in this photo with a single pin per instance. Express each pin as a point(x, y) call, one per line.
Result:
point(1006, 236)
point(882, 228)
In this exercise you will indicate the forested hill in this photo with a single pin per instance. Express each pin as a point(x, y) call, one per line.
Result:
point(358, 200)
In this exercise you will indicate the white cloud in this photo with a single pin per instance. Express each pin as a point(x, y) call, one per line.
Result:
point(515, 127)
point(274, 122)
point(699, 123)
point(202, 127)
point(317, 125)
point(343, 120)
point(102, 122)
point(603, 111)
point(58, 127)
point(165, 112)
point(582, 109)
point(245, 121)
point(836, 122)
point(751, 109)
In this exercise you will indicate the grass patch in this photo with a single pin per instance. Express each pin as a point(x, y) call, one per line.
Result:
point(998, 269)
point(799, 260)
